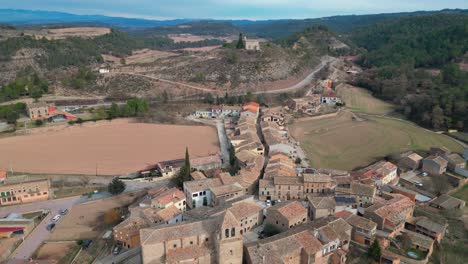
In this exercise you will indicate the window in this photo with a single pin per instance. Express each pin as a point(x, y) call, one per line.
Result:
point(175, 245)
point(206, 239)
point(226, 232)
point(233, 231)
point(195, 195)
point(191, 242)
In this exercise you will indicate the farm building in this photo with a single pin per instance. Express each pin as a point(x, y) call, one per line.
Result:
point(434, 165)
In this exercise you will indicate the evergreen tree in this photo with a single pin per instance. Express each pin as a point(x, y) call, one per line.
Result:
point(184, 173)
point(240, 42)
point(375, 251)
point(116, 186)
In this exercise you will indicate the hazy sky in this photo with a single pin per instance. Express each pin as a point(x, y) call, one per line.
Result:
point(231, 9)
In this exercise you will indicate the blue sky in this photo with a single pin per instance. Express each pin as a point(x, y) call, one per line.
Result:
point(231, 9)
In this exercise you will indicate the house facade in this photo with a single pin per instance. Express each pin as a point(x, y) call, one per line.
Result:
point(434, 165)
point(24, 192)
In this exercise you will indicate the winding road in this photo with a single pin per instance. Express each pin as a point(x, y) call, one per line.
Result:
point(326, 60)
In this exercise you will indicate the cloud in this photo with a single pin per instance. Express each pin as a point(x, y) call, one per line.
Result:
point(231, 9)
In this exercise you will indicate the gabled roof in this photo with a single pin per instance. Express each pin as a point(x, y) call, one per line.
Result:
point(430, 225)
point(357, 221)
point(290, 210)
point(322, 202)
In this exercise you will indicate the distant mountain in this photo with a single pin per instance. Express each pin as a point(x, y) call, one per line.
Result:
point(37, 17)
point(270, 29)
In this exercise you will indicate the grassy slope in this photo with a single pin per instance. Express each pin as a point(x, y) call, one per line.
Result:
point(361, 101)
point(342, 143)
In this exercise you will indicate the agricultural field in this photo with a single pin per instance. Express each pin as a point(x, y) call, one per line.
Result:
point(346, 142)
point(360, 100)
point(104, 148)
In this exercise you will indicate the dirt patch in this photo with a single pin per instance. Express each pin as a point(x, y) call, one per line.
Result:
point(55, 251)
point(84, 221)
point(140, 56)
point(108, 148)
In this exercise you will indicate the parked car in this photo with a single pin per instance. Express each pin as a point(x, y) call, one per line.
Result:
point(56, 218)
point(86, 244)
point(424, 174)
point(116, 249)
point(419, 184)
point(63, 211)
point(268, 203)
point(50, 226)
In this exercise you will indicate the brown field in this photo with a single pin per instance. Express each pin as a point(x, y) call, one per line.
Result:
point(61, 33)
point(112, 148)
point(140, 56)
point(84, 221)
point(361, 101)
point(55, 251)
point(195, 38)
point(343, 143)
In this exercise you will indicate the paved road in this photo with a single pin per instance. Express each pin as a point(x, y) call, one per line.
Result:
point(40, 233)
point(223, 142)
point(124, 257)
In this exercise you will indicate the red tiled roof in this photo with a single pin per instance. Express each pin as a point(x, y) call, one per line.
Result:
point(10, 229)
point(252, 104)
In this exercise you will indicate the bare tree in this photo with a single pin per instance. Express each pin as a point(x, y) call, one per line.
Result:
point(439, 184)
point(85, 180)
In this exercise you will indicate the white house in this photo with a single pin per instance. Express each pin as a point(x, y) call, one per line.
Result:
point(198, 192)
point(102, 71)
point(331, 98)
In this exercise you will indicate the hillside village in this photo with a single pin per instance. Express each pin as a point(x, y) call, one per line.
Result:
point(288, 159)
point(274, 206)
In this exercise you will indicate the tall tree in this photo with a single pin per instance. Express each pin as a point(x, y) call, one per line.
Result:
point(241, 42)
point(184, 173)
point(116, 186)
point(437, 117)
point(375, 251)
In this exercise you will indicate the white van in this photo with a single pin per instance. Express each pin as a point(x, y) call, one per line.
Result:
point(56, 218)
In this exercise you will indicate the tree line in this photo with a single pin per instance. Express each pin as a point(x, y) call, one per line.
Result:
point(27, 83)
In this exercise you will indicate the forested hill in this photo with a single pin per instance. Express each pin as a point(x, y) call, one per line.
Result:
point(414, 61)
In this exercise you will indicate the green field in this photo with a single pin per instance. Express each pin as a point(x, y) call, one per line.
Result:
point(343, 143)
point(360, 100)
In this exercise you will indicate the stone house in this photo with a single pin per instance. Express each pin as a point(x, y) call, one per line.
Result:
point(363, 193)
point(323, 241)
point(286, 215)
point(37, 110)
point(226, 192)
point(215, 239)
point(327, 206)
point(390, 213)
point(455, 161)
point(318, 183)
point(447, 202)
point(435, 165)
point(411, 161)
point(364, 230)
point(427, 227)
